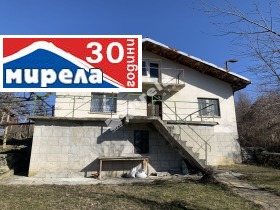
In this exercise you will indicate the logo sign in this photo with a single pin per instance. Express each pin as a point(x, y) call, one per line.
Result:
point(71, 63)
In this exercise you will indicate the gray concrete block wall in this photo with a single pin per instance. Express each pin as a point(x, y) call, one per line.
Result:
point(71, 149)
point(224, 149)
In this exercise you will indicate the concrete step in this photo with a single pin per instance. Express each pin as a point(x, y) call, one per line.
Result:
point(176, 142)
point(202, 161)
point(177, 137)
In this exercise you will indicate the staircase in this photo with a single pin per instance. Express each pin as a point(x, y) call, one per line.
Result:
point(167, 131)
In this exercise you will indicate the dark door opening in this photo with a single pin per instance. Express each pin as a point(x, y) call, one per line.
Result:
point(154, 106)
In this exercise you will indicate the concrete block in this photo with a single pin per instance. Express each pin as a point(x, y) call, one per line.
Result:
point(164, 164)
point(66, 132)
point(170, 156)
point(153, 157)
point(34, 157)
point(46, 131)
point(33, 166)
point(62, 141)
point(35, 149)
point(65, 149)
point(62, 157)
point(42, 158)
point(77, 133)
point(154, 149)
point(174, 164)
point(128, 134)
point(128, 149)
point(106, 135)
point(73, 158)
point(57, 131)
point(161, 157)
point(37, 131)
point(85, 141)
point(94, 132)
point(55, 150)
point(51, 166)
point(74, 149)
point(117, 134)
point(52, 158)
point(53, 141)
point(75, 165)
point(85, 150)
point(64, 164)
point(43, 141)
point(44, 149)
point(75, 140)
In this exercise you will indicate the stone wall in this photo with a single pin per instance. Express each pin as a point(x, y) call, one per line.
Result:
point(259, 156)
point(3, 163)
point(72, 148)
point(13, 161)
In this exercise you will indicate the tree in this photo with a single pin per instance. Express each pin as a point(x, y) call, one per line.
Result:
point(15, 107)
point(243, 105)
point(257, 32)
point(259, 123)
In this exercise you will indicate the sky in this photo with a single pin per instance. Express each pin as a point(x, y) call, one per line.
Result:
point(178, 24)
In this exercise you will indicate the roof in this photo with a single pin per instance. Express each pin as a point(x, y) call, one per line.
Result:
point(235, 80)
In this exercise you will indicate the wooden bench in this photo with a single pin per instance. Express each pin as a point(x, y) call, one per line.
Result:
point(145, 162)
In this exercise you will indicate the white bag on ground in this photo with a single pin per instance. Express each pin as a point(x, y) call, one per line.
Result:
point(131, 173)
point(141, 174)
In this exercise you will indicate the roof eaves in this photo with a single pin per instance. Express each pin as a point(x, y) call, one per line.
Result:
point(195, 58)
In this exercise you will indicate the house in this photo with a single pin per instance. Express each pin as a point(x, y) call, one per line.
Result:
point(185, 112)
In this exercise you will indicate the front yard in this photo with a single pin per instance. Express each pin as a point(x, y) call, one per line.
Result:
point(186, 194)
point(263, 177)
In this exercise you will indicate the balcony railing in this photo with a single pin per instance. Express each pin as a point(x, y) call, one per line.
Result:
point(130, 105)
point(164, 75)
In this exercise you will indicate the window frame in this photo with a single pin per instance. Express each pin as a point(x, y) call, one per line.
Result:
point(218, 115)
point(104, 96)
point(148, 68)
point(144, 62)
point(144, 146)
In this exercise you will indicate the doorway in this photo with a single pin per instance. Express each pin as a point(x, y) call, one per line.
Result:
point(154, 106)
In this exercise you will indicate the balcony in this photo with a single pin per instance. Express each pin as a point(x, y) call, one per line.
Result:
point(168, 78)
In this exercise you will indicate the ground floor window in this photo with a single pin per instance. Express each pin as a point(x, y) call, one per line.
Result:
point(141, 142)
point(208, 107)
point(103, 102)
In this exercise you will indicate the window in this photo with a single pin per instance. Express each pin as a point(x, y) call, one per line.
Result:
point(144, 68)
point(154, 70)
point(150, 69)
point(141, 142)
point(103, 102)
point(208, 107)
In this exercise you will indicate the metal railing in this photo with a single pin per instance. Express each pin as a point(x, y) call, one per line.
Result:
point(164, 75)
point(128, 104)
point(189, 111)
point(203, 147)
point(114, 106)
point(41, 107)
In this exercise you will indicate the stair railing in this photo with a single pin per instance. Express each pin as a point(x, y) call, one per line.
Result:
point(183, 121)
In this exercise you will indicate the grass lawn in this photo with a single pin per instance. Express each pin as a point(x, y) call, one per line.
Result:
point(187, 194)
point(263, 177)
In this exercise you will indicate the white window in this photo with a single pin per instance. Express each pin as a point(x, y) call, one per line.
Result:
point(150, 68)
point(104, 102)
point(208, 107)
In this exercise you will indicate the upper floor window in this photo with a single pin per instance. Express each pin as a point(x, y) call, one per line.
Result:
point(103, 102)
point(150, 69)
point(208, 107)
point(154, 70)
point(144, 68)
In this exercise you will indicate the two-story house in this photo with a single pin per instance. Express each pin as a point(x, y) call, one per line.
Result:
point(185, 112)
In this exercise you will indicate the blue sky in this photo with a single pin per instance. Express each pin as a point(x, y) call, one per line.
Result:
point(174, 23)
